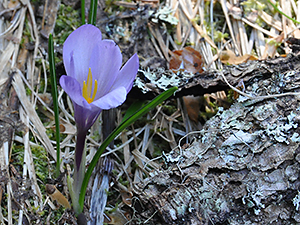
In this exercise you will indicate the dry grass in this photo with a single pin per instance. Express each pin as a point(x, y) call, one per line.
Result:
point(254, 28)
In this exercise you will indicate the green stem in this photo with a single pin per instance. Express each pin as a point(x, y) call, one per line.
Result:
point(282, 13)
point(82, 12)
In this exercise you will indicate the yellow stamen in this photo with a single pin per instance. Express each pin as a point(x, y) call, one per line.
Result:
point(87, 88)
point(89, 82)
point(95, 90)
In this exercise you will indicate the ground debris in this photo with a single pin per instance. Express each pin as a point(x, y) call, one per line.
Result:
point(243, 168)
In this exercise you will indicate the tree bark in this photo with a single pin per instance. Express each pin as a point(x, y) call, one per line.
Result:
point(243, 168)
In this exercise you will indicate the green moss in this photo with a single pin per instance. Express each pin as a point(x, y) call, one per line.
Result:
point(115, 172)
point(26, 31)
point(40, 162)
point(49, 132)
point(56, 216)
point(57, 59)
point(274, 42)
point(170, 108)
point(250, 5)
point(111, 7)
point(96, 135)
point(18, 156)
point(68, 19)
point(124, 182)
point(22, 42)
point(36, 2)
point(28, 91)
point(220, 36)
point(230, 96)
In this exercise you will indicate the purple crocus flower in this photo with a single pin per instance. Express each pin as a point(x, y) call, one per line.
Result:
point(95, 79)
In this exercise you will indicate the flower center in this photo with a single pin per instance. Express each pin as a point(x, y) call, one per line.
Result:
point(87, 88)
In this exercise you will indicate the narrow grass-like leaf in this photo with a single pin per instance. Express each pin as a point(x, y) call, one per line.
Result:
point(93, 12)
point(282, 13)
point(82, 12)
point(55, 101)
point(159, 99)
point(133, 109)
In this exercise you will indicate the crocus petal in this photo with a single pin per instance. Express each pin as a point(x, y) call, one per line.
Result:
point(84, 50)
point(111, 100)
point(80, 45)
point(73, 89)
point(127, 74)
point(105, 65)
point(85, 117)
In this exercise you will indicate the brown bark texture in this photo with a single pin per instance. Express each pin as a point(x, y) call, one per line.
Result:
point(243, 166)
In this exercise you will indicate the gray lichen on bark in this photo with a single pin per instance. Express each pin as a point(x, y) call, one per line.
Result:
point(243, 168)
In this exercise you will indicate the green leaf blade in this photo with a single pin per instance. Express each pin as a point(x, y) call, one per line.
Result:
point(133, 109)
point(55, 100)
point(145, 109)
point(82, 12)
point(93, 12)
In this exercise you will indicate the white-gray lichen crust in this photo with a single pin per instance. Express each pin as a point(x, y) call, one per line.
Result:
point(244, 164)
